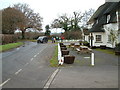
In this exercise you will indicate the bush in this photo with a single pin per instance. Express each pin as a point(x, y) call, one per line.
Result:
point(117, 48)
point(72, 35)
point(8, 39)
point(85, 43)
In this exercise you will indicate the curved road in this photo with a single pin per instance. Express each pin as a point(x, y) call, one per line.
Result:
point(27, 66)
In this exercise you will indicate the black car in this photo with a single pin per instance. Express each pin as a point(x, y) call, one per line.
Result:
point(42, 39)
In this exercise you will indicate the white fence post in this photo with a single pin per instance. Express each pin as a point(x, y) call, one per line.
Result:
point(60, 58)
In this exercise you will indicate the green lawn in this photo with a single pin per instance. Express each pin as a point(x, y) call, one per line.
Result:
point(109, 51)
point(54, 60)
point(10, 46)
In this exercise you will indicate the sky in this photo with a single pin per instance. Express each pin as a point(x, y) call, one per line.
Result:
point(51, 9)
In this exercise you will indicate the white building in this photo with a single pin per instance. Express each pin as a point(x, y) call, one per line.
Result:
point(104, 25)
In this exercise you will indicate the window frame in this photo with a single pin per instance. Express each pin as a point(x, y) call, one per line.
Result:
point(98, 38)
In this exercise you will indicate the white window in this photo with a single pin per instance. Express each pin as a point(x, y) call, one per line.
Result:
point(97, 21)
point(108, 18)
point(109, 38)
point(98, 38)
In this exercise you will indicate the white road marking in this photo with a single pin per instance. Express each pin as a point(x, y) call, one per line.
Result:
point(31, 59)
point(35, 55)
point(5, 82)
point(51, 79)
point(18, 71)
point(38, 53)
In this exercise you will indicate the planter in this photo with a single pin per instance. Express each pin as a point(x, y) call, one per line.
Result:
point(68, 59)
point(65, 52)
point(117, 52)
point(61, 44)
point(117, 49)
point(63, 48)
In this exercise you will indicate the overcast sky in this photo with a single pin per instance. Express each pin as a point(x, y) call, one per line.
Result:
point(51, 9)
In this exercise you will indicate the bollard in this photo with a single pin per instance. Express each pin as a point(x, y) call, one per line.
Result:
point(92, 59)
point(60, 58)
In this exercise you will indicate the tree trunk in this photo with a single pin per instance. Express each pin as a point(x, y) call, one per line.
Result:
point(23, 34)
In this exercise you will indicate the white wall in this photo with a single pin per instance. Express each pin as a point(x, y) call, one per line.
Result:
point(112, 26)
point(87, 38)
point(103, 35)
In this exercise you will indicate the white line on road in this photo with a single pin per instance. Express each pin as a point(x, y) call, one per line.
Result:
point(18, 71)
point(5, 82)
point(51, 79)
point(31, 59)
point(38, 53)
point(35, 55)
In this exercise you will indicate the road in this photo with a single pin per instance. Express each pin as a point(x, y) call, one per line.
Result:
point(27, 66)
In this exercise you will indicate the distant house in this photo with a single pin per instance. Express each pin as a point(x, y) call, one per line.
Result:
point(104, 25)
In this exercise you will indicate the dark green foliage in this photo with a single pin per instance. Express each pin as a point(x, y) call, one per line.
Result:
point(47, 30)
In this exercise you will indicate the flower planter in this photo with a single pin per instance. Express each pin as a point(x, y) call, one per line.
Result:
point(65, 52)
point(61, 44)
point(63, 48)
point(117, 52)
point(68, 59)
point(117, 49)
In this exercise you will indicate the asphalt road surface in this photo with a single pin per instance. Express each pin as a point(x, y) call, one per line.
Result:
point(27, 66)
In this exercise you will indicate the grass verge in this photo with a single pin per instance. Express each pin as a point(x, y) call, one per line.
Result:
point(108, 51)
point(27, 40)
point(54, 59)
point(10, 46)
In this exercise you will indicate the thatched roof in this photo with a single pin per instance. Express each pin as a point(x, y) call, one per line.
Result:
point(100, 16)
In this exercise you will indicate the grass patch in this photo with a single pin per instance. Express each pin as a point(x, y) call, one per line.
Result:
point(10, 46)
point(54, 60)
point(108, 51)
point(28, 40)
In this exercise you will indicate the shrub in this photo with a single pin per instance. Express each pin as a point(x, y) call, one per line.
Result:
point(117, 48)
point(85, 43)
point(72, 35)
point(6, 38)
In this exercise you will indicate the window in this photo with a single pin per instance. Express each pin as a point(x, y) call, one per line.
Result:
point(98, 38)
point(109, 38)
point(108, 18)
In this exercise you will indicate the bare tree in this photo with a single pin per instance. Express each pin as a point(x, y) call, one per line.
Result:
point(86, 16)
point(68, 23)
point(76, 19)
point(56, 24)
point(33, 20)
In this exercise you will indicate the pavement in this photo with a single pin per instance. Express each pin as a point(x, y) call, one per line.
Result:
point(82, 75)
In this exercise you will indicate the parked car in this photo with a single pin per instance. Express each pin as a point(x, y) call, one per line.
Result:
point(42, 39)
